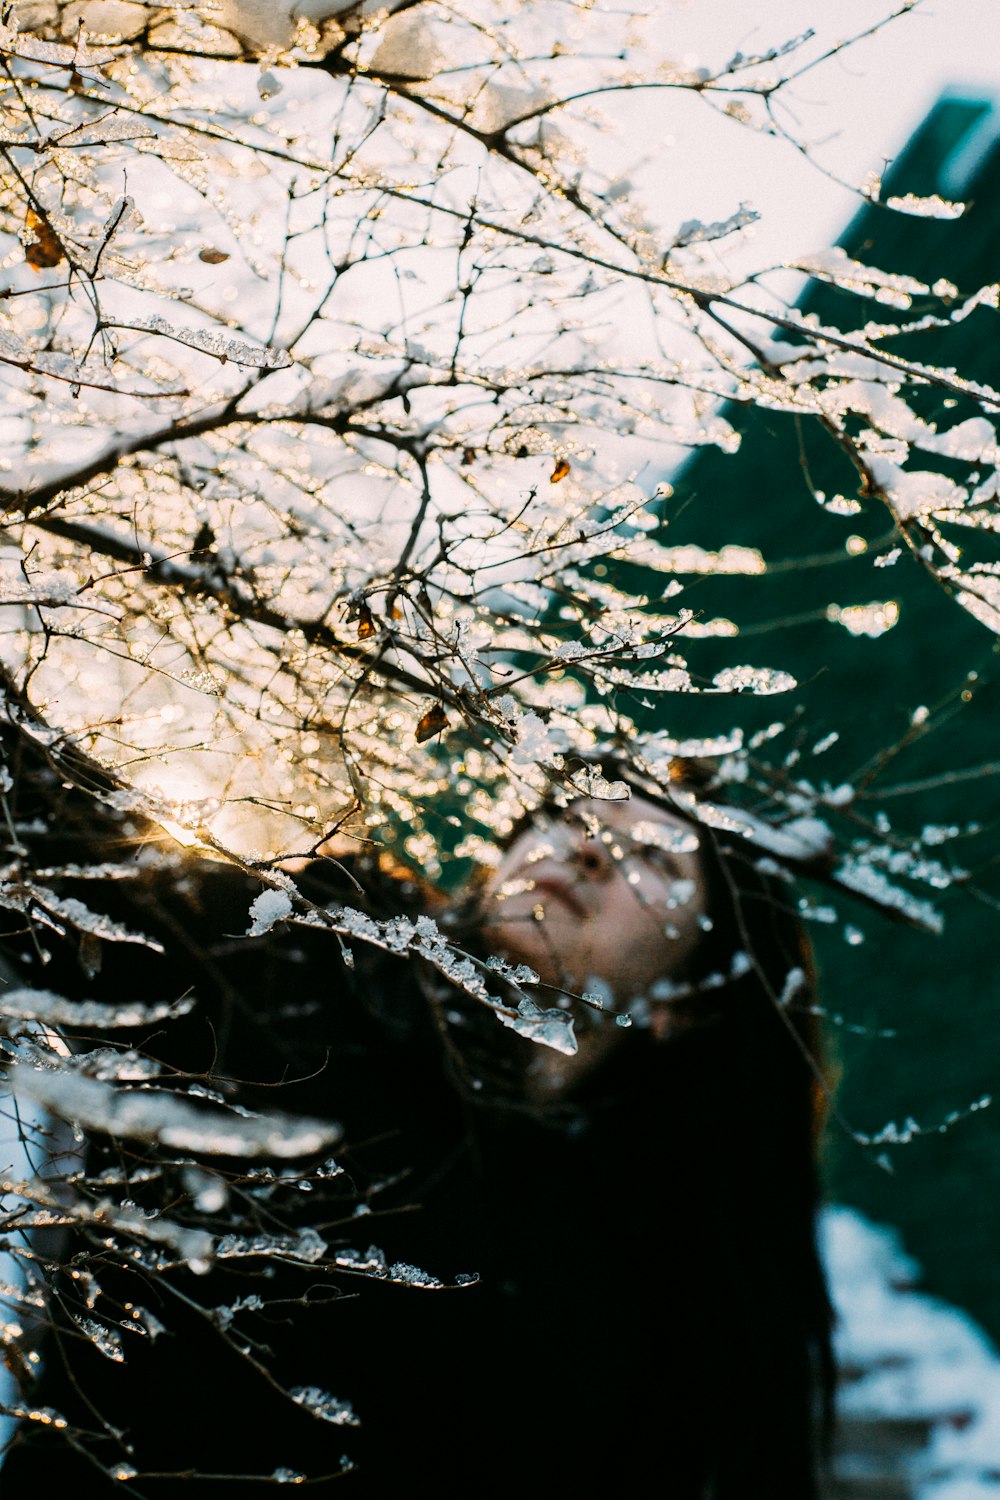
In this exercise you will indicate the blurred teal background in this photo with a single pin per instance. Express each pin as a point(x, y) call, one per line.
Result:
point(937, 994)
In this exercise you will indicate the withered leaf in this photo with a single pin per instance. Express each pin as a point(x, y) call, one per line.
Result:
point(212, 257)
point(432, 723)
point(45, 249)
point(560, 471)
point(366, 623)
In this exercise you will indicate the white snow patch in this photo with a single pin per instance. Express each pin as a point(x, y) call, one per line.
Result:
point(269, 908)
point(905, 1355)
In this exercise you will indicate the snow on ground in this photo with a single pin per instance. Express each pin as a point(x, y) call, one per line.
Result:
point(919, 1398)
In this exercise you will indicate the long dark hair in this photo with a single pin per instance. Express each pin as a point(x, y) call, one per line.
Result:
point(769, 1013)
point(732, 1105)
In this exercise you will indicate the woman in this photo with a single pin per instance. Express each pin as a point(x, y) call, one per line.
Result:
point(633, 1221)
point(651, 1197)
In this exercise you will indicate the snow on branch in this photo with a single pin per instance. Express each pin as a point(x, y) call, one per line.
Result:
point(351, 361)
point(166, 1119)
point(324, 469)
point(95, 1015)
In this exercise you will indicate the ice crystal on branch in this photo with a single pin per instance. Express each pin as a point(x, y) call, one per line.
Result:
point(344, 357)
point(341, 355)
point(287, 383)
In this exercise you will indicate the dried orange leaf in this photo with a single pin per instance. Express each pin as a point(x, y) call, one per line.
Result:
point(432, 723)
point(560, 471)
point(45, 250)
point(366, 623)
point(213, 257)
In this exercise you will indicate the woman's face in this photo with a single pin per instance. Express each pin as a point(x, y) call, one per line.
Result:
point(606, 894)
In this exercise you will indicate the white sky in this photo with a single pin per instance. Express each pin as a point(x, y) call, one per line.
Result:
point(859, 109)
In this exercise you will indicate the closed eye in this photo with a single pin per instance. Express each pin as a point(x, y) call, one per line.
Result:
point(657, 860)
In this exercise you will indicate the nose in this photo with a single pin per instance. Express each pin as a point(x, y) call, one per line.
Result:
point(590, 856)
